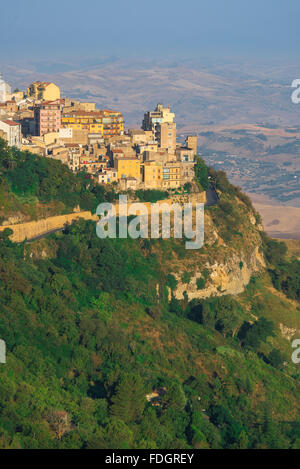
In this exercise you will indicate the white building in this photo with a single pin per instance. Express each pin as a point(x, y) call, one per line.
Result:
point(13, 132)
point(5, 90)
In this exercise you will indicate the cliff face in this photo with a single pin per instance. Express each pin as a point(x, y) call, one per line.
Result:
point(227, 261)
point(228, 278)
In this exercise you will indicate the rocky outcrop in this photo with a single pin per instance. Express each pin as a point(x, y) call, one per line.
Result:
point(228, 278)
point(222, 267)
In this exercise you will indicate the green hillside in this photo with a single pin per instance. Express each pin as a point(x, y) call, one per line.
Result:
point(94, 326)
point(33, 187)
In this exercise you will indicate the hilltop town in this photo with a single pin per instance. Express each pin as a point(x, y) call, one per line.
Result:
point(95, 141)
point(134, 343)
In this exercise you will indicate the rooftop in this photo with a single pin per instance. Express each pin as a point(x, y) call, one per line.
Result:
point(11, 123)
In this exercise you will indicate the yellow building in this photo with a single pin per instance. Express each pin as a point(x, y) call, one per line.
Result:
point(18, 96)
point(113, 123)
point(82, 120)
point(106, 123)
point(172, 175)
point(161, 175)
point(44, 91)
point(128, 167)
point(72, 105)
point(152, 174)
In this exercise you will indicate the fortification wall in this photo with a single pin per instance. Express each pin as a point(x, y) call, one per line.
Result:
point(34, 229)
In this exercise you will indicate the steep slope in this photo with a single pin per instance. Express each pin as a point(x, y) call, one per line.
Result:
point(138, 343)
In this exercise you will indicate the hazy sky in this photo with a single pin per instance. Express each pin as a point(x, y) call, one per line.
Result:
point(60, 28)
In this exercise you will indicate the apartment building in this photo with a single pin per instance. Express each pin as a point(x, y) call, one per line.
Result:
point(152, 173)
point(166, 136)
point(104, 123)
point(127, 166)
point(171, 175)
point(47, 117)
point(160, 115)
point(43, 91)
point(12, 132)
point(113, 123)
point(166, 175)
point(161, 123)
point(91, 122)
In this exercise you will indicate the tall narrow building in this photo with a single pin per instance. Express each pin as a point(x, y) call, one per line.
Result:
point(192, 143)
point(161, 123)
point(47, 117)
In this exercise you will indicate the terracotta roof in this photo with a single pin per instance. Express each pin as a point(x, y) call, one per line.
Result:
point(43, 83)
point(11, 123)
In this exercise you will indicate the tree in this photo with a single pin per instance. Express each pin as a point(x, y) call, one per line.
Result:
point(228, 319)
point(174, 396)
point(186, 277)
point(115, 435)
point(171, 282)
point(187, 187)
point(129, 401)
point(201, 174)
point(59, 423)
point(200, 282)
point(175, 307)
point(257, 333)
point(275, 359)
point(274, 250)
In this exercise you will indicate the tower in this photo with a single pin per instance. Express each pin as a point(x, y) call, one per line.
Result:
point(192, 143)
point(5, 90)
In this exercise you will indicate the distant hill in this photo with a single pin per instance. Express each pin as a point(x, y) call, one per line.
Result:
point(201, 91)
point(280, 221)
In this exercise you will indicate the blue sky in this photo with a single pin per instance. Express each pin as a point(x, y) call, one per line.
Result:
point(90, 28)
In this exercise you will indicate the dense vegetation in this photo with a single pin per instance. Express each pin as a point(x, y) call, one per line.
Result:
point(151, 195)
point(92, 326)
point(81, 327)
point(285, 274)
point(29, 177)
point(201, 174)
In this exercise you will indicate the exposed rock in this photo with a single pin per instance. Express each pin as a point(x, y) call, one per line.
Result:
point(228, 278)
point(287, 332)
